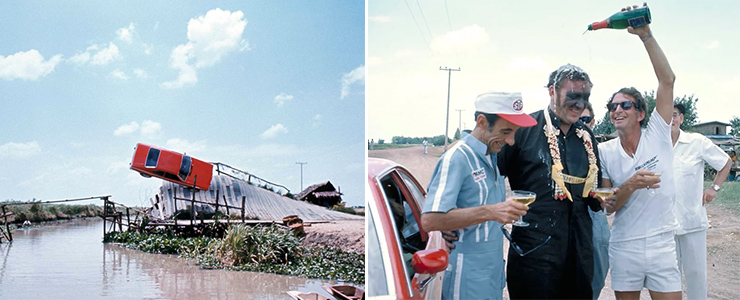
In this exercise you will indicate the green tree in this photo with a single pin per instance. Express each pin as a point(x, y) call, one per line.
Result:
point(735, 122)
point(690, 116)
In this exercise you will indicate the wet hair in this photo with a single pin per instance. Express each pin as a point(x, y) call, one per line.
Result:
point(492, 118)
point(639, 99)
point(680, 107)
point(570, 72)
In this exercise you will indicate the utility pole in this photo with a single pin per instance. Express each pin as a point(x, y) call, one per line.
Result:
point(447, 120)
point(459, 120)
point(301, 163)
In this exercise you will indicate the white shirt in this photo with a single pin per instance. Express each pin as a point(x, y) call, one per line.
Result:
point(643, 215)
point(689, 154)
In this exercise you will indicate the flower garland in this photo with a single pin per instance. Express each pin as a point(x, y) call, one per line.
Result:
point(557, 166)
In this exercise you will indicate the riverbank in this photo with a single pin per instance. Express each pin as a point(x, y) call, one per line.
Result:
point(254, 248)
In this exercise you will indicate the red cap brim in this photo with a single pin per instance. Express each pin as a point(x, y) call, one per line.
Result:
point(521, 120)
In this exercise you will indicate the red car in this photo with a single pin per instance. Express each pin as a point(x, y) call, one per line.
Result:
point(403, 261)
point(172, 166)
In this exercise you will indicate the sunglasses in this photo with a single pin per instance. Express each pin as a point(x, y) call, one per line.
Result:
point(586, 119)
point(516, 247)
point(627, 105)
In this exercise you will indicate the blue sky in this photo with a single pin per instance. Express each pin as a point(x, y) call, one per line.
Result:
point(512, 46)
point(256, 85)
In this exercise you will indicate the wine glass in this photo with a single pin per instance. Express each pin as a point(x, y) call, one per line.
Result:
point(654, 175)
point(523, 197)
point(604, 192)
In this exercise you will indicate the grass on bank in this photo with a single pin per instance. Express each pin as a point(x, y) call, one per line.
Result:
point(252, 248)
point(38, 212)
point(728, 197)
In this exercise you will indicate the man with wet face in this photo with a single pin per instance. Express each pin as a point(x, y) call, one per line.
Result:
point(642, 249)
point(467, 194)
point(558, 160)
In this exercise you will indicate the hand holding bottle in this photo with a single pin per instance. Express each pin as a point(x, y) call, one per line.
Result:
point(643, 31)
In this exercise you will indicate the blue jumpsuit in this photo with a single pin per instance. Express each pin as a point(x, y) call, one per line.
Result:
point(466, 177)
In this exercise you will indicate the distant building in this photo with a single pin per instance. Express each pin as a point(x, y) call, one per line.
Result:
point(323, 194)
point(712, 128)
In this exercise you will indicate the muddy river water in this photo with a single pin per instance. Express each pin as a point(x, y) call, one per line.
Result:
point(69, 261)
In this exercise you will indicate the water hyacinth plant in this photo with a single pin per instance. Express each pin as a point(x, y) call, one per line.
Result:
point(252, 248)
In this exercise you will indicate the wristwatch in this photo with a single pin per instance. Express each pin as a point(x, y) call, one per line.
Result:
point(715, 187)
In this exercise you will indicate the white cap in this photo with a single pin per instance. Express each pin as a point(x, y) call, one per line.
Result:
point(506, 105)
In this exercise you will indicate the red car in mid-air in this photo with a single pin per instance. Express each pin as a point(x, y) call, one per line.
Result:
point(403, 261)
point(152, 161)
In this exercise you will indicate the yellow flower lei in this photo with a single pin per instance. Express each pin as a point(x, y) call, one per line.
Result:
point(557, 166)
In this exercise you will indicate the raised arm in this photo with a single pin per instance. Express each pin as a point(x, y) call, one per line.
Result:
point(666, 78)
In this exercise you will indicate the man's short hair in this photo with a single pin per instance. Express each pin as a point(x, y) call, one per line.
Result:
point(492, 118)
point(568, 71)
point(639, 99)
point(680, 107)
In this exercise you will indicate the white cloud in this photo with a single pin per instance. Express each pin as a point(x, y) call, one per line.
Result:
point(80, 59)
point(119, 74)
point(274, 131)
point(711, 45)
point(380, 19)
point(184, 146)
point(316, 121)
point(282, 98)
point(147, 49)
point(19, 150)
point(141, 73)
point(125, 34)
point(126, 129)
point(117, 166)
point(106, 55)
point(356, 75)
point(150, 128)
point(374, 61)
point(528, 63)
point(80, 171)
point(29, 65)
point(465, 40)
point(210, 38)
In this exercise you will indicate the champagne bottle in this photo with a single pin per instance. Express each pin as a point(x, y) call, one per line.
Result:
point(637, 17)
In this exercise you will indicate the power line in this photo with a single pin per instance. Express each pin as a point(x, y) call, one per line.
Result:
point(424, 18)
point(448, 16)
point(417, 26)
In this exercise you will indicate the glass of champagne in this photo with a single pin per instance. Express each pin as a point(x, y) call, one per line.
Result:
point(604, 192)
point(523, 197)
point(655, 175)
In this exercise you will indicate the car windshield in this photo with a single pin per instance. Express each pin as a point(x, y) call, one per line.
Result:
point(152, 158)
point(377, 284)
point(185, 167)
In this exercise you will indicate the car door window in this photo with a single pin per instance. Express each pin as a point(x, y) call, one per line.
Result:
point(403, 216)
point(185, 168)
point(414, 189)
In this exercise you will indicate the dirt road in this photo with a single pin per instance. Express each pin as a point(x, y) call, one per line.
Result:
point(723, 238)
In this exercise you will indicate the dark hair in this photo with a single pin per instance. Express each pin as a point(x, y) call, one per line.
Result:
point(492, 118)
point(590, 108)
point(639, 99)
point(571, 72)
point(680, 107)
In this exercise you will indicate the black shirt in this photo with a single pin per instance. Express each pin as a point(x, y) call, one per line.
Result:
point(563, 266)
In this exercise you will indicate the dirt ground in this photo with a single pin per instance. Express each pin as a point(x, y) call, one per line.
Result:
point(723, 236)
point(348, 235)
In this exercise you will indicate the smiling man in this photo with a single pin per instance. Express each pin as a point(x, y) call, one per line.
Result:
point(467, 194)
point(642, 249)
point(557, 159)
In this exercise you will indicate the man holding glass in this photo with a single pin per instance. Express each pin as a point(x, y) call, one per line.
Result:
point(467, 194)
point(558, 160)
point(642, 249)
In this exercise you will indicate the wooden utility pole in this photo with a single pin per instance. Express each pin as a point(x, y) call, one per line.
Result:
point(447, 115)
